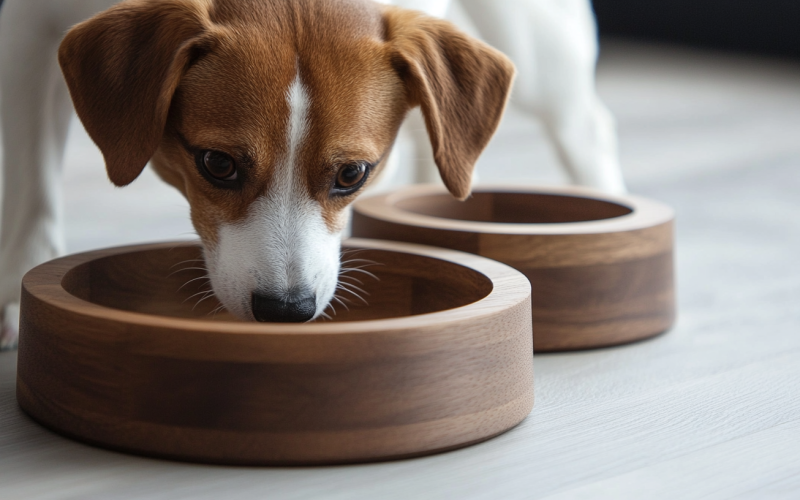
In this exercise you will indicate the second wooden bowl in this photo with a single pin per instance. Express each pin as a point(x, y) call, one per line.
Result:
point(600, 266)
point(114, 350)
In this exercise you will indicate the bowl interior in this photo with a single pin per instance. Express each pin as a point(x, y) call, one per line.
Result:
point(172, 282)
point(510, 207)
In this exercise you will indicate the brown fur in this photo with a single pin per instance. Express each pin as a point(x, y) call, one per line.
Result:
point(148, 74)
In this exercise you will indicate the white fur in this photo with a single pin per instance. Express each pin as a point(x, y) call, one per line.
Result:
point(283, 246)
point(552, 43)
point(34, 116)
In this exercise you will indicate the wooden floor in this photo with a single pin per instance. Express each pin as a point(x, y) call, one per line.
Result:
point(708, 410)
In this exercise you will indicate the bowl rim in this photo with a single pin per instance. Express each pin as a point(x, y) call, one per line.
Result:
point(509, 288)
point(644, 211)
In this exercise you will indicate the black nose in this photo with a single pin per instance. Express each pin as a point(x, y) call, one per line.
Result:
point(289, 310)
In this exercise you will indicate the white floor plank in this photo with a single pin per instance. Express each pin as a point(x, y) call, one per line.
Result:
point(760, 465)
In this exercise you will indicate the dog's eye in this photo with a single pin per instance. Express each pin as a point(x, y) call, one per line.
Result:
point(219, 165)
point(351, 176)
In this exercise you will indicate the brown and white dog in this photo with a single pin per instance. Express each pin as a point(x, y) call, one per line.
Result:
point(552, 43)
point(271, 117)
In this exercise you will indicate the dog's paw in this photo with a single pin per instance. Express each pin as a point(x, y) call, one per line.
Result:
point(9, 332)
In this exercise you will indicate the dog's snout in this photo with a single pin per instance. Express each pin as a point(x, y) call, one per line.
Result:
point(283, 310)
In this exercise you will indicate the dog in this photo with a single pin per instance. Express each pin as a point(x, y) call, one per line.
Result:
point(270, 117)
point(271, 133)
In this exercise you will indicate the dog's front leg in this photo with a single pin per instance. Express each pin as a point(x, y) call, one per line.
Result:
point(35, 110)
point(553, 44)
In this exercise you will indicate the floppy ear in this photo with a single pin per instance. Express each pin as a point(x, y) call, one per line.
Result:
point(460, 83)
point(122, 68)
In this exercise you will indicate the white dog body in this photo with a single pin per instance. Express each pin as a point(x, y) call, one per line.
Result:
point(551, 42)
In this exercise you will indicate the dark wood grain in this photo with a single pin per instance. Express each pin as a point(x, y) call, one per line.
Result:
point(600, 266)
point(112, 354)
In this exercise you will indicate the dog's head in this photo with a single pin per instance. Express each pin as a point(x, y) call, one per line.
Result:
point(270, 116)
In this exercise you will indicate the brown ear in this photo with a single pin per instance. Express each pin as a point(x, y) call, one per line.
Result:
point(122, 68)
point(460, 83)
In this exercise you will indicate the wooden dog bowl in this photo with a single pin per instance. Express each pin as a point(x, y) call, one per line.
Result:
point(600, 266)
point(112, 353)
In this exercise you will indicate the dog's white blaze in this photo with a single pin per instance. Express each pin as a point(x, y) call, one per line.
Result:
point(298, 119)
point(283, 246)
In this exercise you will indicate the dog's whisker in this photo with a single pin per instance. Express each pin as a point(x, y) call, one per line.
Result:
point(194, 279)
point(367, 261)
point(358, 270)
point(188, 269)
point(337, 299)
point(347, 265)
point(216, 310)
point(357, 296)
point(357, 288)
point(202, 299)
point(344, 299)
point(363, 260)
point(343, 276)
point(186, 262)
point(341, 287)
point(356, 264)
point(207, 293)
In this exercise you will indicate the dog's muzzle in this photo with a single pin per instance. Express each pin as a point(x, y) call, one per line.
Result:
point(288, 310)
